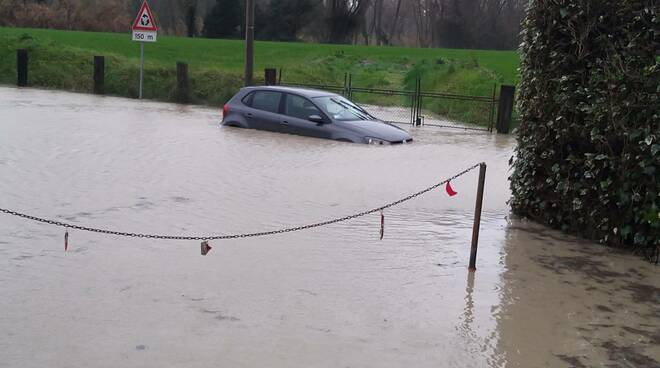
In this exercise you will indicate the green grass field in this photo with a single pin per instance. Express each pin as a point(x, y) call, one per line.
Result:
point(63, 60)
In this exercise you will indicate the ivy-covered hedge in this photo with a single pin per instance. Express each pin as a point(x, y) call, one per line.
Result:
point(588, 154)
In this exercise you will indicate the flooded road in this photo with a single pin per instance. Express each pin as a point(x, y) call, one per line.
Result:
point(334, 296)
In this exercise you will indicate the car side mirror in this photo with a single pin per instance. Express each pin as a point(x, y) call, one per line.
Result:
point(316, 119)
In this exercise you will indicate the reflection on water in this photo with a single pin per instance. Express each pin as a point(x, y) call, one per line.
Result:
point(332, 296)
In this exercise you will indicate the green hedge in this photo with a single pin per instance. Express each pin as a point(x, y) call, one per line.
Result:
point(588, 155)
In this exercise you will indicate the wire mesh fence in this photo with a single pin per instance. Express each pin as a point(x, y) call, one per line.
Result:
point(417, 107)
point(393, 106)
point(455, 111)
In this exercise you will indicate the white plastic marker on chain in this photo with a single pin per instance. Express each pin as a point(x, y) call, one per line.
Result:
point(206, 248)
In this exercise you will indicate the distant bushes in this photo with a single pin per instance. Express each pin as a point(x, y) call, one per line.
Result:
point(588, 155)
point(105, 15)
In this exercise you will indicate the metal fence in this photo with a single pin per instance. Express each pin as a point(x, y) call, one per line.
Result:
point(417, 107)
point(446, 110)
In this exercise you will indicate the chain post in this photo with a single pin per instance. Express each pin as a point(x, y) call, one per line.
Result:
point(477, 217)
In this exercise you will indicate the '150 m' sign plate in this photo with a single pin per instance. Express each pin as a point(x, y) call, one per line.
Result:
point(144, 36)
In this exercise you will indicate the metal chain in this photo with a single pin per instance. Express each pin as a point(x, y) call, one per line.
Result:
point(236, 236)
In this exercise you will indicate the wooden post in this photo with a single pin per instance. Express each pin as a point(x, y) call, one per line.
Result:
point(477, 217)
point(182, 85)
point(505, 109)
point(270, 76)
point(22, 67)
point(99, 75)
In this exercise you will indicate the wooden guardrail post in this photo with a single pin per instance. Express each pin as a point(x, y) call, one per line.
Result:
point(99, 75)
point(270, 76)
point(477, 217)
point(22, 67)
point(182, 85)
point(505, 109)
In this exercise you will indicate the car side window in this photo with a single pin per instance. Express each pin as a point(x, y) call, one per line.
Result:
point(267, 101)
point(247, 100)
point(300, 107)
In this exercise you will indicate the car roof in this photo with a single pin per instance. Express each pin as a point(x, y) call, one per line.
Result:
point(307, 92)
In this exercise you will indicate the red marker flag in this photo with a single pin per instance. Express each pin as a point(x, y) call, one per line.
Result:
point(450, 190)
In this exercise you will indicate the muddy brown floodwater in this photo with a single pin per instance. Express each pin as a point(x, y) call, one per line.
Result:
point(334, 296)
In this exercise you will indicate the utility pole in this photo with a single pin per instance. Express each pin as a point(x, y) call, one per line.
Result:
point(249, 41)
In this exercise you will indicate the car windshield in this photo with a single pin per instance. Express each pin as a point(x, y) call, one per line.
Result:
point(342, 109)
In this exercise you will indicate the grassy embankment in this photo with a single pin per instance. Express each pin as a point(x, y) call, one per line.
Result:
point(64, 60)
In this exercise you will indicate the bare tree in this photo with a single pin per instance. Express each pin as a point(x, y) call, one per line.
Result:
point(394, 21)
point(485, 24)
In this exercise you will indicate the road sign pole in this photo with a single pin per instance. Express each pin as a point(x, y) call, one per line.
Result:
point(144, 29)
point(141, 67)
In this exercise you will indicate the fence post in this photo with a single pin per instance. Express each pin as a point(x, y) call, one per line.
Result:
point(270, 76)
point(477, 217)
point(22, 67)
point(505, 109)
point(419, 117)
point(345, 85)
point(415, 98)
point(491, 118)
point(350, 86)
point(182, 86)
point(99, 75)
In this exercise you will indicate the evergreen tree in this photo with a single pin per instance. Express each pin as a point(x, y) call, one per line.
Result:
point(587, 160)
point(285, 18)
point(224, 20)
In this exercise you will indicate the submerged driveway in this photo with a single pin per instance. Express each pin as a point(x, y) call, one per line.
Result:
point(326, 297)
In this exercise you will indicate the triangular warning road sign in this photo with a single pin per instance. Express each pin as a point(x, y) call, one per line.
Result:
point(145, 19)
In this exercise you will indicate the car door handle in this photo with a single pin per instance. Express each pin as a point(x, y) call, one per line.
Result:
point(248, 116)
point(284, 122)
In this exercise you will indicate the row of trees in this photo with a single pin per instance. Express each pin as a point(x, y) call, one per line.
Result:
point(89, 15)
point(491, 24)
point(276, 20)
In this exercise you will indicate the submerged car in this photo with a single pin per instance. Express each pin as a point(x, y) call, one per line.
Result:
point(310, 113)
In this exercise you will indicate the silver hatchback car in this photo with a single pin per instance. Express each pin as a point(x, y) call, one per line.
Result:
point(307, 112)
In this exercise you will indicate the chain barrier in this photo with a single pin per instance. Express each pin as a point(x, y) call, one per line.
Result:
point(237, 236)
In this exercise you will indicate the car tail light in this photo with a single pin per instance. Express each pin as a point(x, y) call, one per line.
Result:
point(225, 111)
